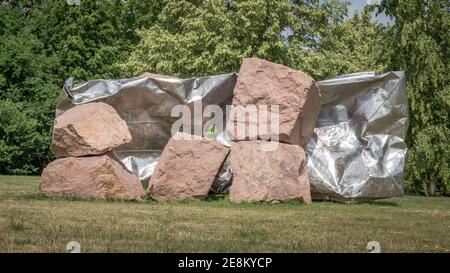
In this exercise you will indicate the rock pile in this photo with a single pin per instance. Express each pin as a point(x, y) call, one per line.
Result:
point(81, 138)
point(279, 174)
point(85, 135)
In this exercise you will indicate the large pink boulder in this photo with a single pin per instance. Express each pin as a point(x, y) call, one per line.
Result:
point(268, 175)
point(187, 168)
point(262, 83)
point(88, 129)
point(90, 177)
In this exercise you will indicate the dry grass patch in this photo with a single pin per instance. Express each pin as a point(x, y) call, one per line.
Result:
point(29, 222)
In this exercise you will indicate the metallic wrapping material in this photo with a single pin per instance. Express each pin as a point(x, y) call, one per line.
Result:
point(357, 151)
point(356, 154)
point(145, 103)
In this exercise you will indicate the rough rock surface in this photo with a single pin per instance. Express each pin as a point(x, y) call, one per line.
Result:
point(90, 177)
point(273, 176)
point(88, 129)
point(264, 83)
point(187, 168)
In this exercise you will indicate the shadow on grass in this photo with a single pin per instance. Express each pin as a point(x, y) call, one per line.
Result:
point(355, 203)
point(217, 198)
point(220, 200)
point(42, 197)
point(383, 203)
point(31, 197)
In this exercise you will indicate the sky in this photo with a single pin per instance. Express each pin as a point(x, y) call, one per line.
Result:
point(355, 6)
point(358, 6)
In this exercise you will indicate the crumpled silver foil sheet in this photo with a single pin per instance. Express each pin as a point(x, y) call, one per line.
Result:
point(145, 103)
point(357, 152)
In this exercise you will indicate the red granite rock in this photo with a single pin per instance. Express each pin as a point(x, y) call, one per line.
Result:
point(88, 129)
point(99, 177)
point(187, 168)
point(261, 82)
point(273, 176)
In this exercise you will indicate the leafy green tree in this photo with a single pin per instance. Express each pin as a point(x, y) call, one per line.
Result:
point(344, 46)
point(313, 19)
point(421, 43)
point(42, 44)
point(25, 69)
point(209, 37)
point(91, 38)
point(23, 145)
point(28, 94)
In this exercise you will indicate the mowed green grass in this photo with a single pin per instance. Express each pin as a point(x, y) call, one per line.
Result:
point(30, 222)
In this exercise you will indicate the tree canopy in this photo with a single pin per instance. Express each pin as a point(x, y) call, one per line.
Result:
point(421, 45)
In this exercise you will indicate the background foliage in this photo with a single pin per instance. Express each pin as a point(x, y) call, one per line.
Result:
point(421, 44)
point(42, 43)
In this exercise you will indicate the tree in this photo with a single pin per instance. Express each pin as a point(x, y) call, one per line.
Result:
point(91, 38)
point(342, 46)
point(209, 37)
point(45, 42)
point(23, 144)
point(28, 94)
point(421, 43)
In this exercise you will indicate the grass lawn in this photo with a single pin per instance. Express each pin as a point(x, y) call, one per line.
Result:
point(29, 222)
